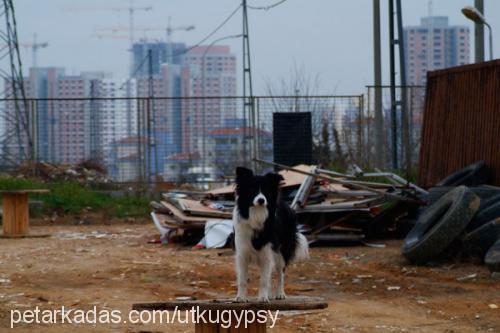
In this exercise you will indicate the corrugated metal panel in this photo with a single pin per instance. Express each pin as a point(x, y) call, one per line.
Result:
point(461, 121)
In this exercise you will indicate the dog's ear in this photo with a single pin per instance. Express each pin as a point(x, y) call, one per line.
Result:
point(243, 174)
point(274, 178)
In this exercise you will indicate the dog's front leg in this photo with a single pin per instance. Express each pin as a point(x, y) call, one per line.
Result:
point(280, 271)
point(266, 269)
point(242, 277)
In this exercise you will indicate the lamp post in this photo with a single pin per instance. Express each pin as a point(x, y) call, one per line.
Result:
point(203, 117)
point(475, 15)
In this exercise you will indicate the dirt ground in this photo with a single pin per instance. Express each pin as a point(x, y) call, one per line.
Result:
point(112, 266)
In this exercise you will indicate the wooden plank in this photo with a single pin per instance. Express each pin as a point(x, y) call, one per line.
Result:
point(169, 222)
point(197, 208)
point(205, 328)
point(289, 304)
point(23, 191)
point(178, 215)
point(292, 178)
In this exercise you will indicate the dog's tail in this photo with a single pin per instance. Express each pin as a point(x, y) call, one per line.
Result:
point(302, 249)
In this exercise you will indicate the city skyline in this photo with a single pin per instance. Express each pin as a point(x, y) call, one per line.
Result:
point(313, 47)
point(110, 130)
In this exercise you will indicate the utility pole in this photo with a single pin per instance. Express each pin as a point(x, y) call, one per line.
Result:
point(377, 65)
point(394, 124)
point(94, 122)
point(393, 42)
point(248, 100)
point(151, 121)
point(403, 98)
point(402, 102)
point(479, 34)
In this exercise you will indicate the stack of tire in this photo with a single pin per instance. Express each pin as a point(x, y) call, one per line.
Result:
point(462, 213)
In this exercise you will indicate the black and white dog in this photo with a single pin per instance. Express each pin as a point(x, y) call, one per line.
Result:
point(265, 233)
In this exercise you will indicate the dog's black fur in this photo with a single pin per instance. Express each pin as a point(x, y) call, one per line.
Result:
point(280, 227)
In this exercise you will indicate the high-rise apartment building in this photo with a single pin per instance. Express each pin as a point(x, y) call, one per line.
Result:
point(434, 44)
point(209, 71)
point(161, 53)
point(73, 123)
point(117, 115)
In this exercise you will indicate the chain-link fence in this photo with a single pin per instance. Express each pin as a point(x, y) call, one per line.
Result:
point(400, 135)
point(338, 126)
point(182, 140)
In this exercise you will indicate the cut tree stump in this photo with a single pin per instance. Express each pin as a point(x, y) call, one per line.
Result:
point(293, 303)
point(16, 213)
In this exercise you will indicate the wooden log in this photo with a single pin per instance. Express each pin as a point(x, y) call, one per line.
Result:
point(15, 214)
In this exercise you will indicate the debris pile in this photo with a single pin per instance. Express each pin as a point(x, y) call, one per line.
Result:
point(86, 173)
point(462, 220)
point(331, 206)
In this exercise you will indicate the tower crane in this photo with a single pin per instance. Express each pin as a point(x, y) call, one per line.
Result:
point(35, 46)
point(131, 9)
point(169, 29)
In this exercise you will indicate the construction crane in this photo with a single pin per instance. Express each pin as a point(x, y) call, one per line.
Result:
point(35, 46)
point(131, 9)
point(169, 29)
point(124, 37)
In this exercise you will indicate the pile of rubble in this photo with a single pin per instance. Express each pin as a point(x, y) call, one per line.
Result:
point(86, 173)
point(330, 206)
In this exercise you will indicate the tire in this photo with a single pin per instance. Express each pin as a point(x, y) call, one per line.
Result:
point(484, 216)
point(439, 225)
point(492, 258)
point(488, 202)
point(477, 242)
point(472, 175)
point(484, 192)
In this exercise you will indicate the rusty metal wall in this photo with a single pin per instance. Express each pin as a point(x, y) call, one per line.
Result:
point(461, 121)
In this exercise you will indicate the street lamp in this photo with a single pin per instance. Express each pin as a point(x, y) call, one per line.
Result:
point(203, 69)
point(475, 15)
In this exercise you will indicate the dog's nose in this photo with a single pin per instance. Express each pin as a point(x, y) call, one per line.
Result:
point(261, 201)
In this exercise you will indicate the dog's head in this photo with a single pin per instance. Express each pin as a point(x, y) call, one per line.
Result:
point(256, 191)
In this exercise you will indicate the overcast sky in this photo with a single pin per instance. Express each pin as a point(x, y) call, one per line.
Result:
point(331, 39)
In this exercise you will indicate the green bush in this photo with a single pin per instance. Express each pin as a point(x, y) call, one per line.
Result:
point(71, 197)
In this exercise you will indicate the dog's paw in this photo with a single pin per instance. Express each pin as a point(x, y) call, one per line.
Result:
point(280, 296)
point(263, 299)
point(241, 299)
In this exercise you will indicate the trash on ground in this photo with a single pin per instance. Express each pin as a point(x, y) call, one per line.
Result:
point(331, 207)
